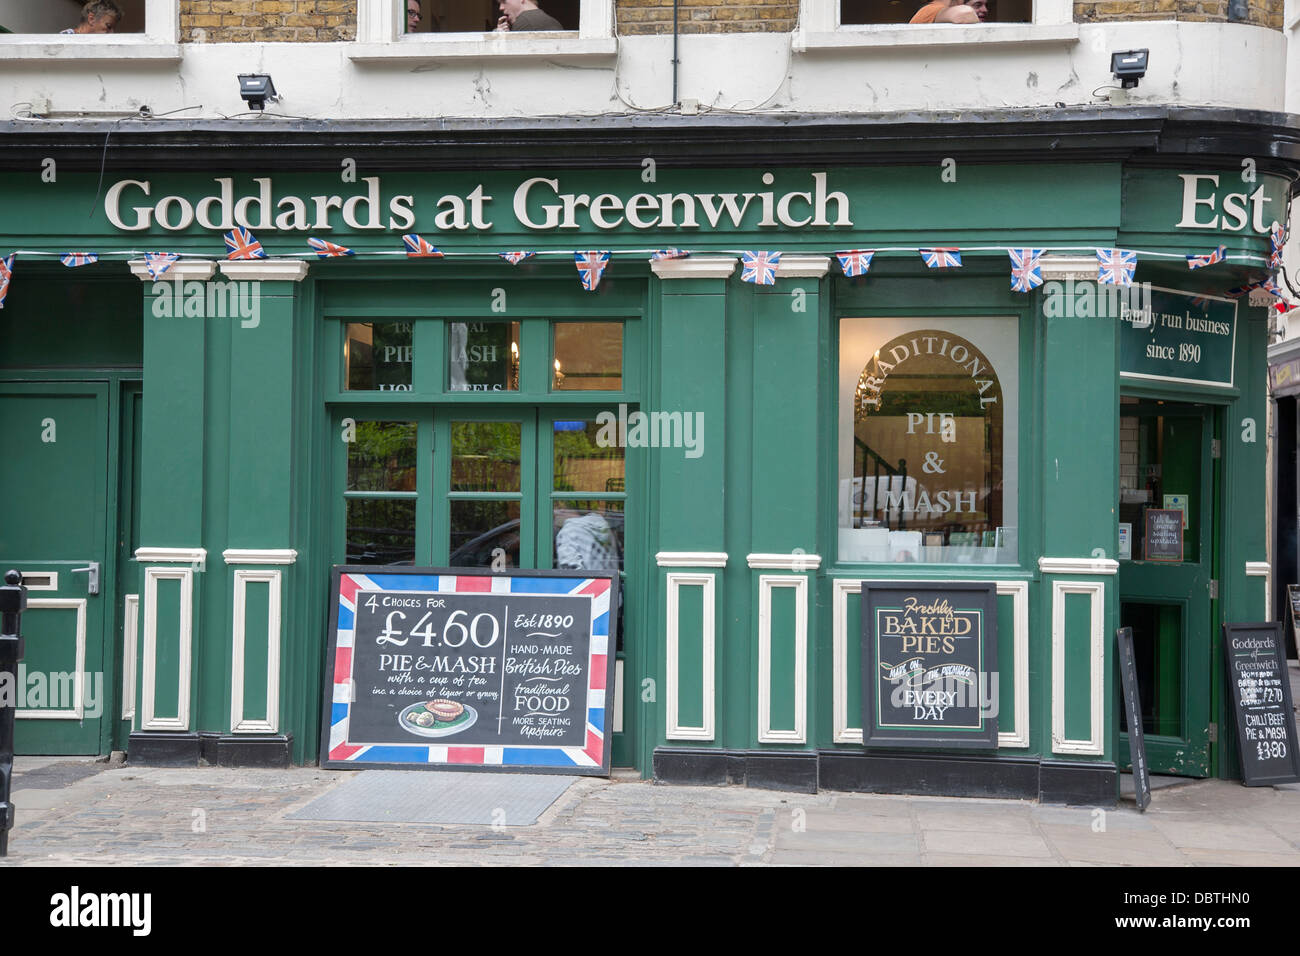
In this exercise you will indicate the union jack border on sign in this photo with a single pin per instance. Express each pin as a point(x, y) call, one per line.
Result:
point(344, 747)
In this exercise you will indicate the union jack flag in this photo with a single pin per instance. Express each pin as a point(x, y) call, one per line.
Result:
point(1116, 266)
point(514, 258)
point(1207, 258)
point(1276, 239)
point(591, 266)
point(669, 254)
point(159, 262)
point(328, 250)
point(941, 258)
point(855, 262)
point(74, 259)
point(1239, 291)
point(242, 245)
point(759, 267)
point(1270, 286)
point(418, 248)
point(6, 273)
point(1026, 269)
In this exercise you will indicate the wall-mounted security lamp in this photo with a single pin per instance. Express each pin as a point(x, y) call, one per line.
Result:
point(257, 89)
point(1129, 66)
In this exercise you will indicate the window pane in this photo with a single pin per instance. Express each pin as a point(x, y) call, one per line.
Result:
point(581, 462)
point(381, 457)
point(377, 357)
point(588, 357)
point(928, 437)
point(381, 531)
point(902, 11)
point(1160, 469)
point(479, 529)
point(588, 535)
point(485, 456)
point(483, 356)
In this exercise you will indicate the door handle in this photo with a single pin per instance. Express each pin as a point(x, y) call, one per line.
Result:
point(92, 584)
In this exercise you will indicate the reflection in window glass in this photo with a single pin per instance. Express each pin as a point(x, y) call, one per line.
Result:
point(380, 531)
point(587, 459)
point(588, 535)
point(588, 357)
point(927, 440)
point(483, 356)
point(377, 356)
point(479, 529)
point(485, 456)
point(381, 457)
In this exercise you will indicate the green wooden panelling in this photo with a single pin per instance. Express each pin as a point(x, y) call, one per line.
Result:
point(1078, 657)
point(1006, 664)
point(166, 688)
point(690, 655)
point(782, 685)
point(853, 658)
point(61, 319)
point(257, 596)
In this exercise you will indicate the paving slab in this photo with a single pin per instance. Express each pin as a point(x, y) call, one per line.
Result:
point(985, 843)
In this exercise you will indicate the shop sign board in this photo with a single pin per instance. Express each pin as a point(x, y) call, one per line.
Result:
point(1261, 703)
point(1173, 336)
point(1137, 745)
point(1164, 534)
point(927, 649)
point(466, 669)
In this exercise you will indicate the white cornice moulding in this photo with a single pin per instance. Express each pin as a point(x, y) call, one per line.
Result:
point(691, 559)
point(1069, 267)
point(177, 555)
point(67, 49)
point(1078, 566)
point(700, 267)
point(259, 555)
point(266, 270)
point(185, 269)
point(803, 267)
point(785, 562)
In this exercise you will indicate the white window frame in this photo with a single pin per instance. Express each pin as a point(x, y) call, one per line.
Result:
point(820, 29)
point(160, 41)
point(380, 37)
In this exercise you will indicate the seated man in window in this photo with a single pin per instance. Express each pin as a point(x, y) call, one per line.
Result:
point(517, 15)
point(946, 11)
point(98, 16)
point(414, 16)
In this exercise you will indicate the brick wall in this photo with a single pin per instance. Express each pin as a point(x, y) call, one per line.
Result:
point(706, 16)
point(245, 21)
point(1264, 13)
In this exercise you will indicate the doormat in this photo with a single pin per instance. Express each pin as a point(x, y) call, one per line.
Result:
point(446, 797)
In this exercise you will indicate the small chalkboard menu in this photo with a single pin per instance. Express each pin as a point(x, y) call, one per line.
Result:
point(1261, 703)
point(1164, 535)
point(461, 669)
point(929, 658)
point(1137, 744)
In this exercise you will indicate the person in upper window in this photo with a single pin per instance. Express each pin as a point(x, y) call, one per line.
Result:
point(946, 11)
point(981, 8)
point(517, 15)
point(98, 16)
point(414, 16)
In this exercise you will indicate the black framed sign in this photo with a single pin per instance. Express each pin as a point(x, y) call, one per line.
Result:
point(465, 669)
point(929, 658)
point(1261, 703)
point(1164, 535)
point(1137, 745)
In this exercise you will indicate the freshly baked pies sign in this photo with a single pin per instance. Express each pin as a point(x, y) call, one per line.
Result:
point(460, 669)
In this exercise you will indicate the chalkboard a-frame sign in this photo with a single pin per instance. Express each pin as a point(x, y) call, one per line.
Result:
point(461, 669)
point(929, 650)
point(1260, 687)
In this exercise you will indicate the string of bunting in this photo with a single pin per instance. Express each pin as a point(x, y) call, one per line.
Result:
point(760, 267)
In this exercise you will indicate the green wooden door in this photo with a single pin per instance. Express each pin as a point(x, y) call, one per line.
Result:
point(1166, 447)
point(54, 483)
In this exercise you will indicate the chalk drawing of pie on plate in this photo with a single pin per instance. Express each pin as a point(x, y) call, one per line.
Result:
point(437, 718)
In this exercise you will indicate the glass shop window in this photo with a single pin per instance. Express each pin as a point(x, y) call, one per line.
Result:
point(377, 356)
point(483, 356)
point(928, 440)
point(381, 493)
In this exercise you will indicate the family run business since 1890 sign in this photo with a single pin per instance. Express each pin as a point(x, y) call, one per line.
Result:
point(464, 670)
point(927, 654)
point(1177, 337)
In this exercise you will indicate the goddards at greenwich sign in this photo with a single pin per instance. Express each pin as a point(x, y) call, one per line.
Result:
point(538, 203)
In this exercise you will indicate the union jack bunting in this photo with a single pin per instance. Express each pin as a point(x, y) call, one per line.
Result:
point(759, 267)
point(514, 258)
point(74, 259)
point(241, 245)
point(1270, 286)
point(941, 258)
point(418, 248)
point(855, 262)
point(159, 262)
point(591, 266)
point(1116, 266)
point(1276, 239)
point(1207, 258)
point(1239, 291)
point(1026, 269)
point(669, 254)
point(328, 250)
point(6, 273)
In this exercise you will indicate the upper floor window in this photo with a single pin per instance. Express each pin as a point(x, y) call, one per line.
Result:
point(483, 16)
point(971, 12)
point(104, 18)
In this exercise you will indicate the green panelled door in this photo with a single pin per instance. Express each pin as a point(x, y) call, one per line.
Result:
point(54, 486)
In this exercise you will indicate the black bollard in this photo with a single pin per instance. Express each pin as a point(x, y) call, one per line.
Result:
point(13, 601)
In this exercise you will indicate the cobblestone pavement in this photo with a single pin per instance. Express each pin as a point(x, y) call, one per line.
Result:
point(212, 816)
